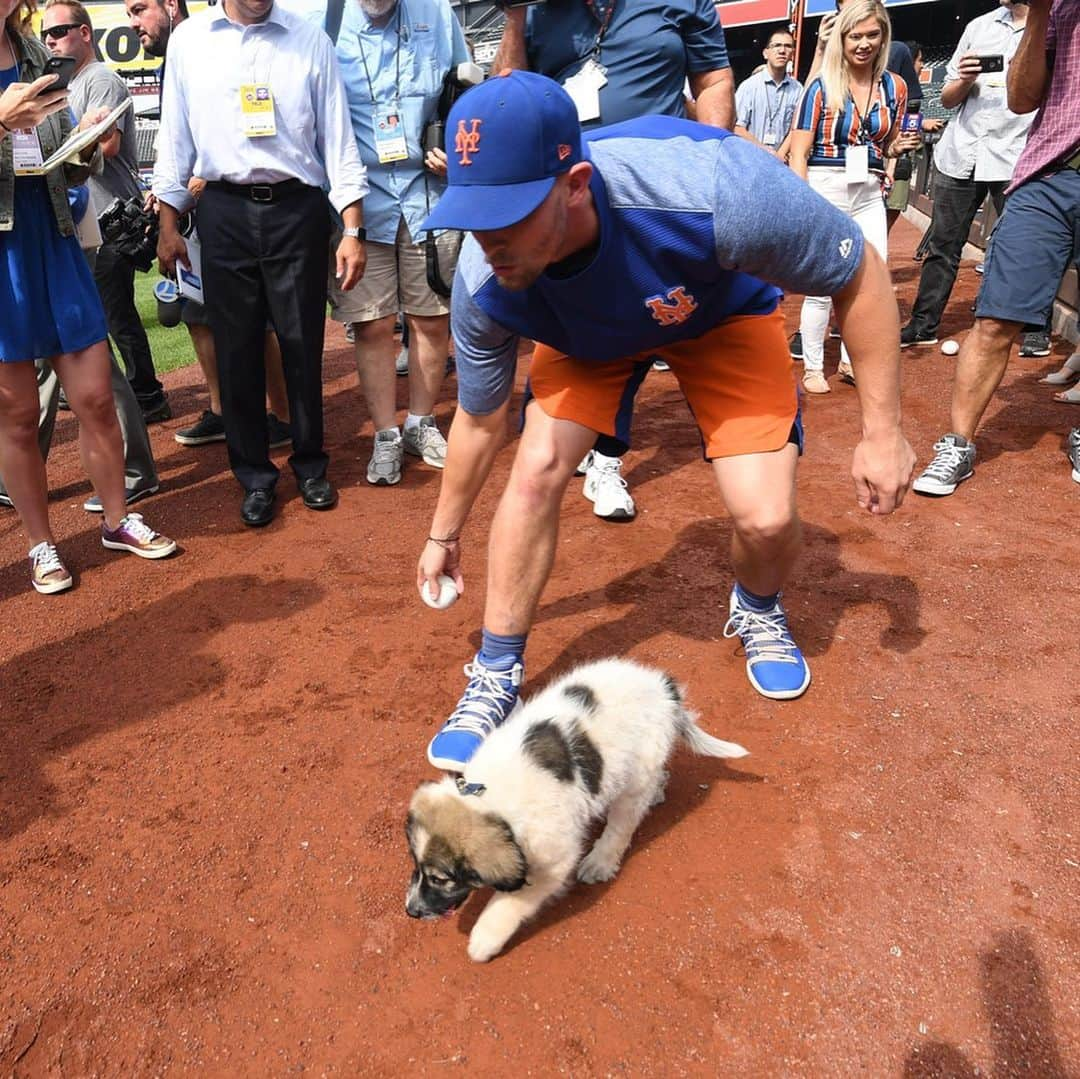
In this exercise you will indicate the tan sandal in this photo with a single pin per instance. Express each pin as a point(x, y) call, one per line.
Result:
point(814, 382)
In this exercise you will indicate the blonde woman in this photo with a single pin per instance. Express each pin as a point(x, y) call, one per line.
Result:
point(50, 309)
point(847, 125)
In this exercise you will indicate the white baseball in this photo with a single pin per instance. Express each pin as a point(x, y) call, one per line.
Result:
point(447, 596)
point(950, 348)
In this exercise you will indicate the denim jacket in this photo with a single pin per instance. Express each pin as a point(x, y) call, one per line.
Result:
point(52, 131)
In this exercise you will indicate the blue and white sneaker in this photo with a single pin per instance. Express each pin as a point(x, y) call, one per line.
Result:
point(774, 664)
point(489, 700)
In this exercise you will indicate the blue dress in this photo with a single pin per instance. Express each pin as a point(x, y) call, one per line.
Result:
point(49, 303)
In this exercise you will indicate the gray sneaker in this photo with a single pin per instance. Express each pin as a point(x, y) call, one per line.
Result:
point(384, 468)
point(425, 440)
point(1073, 450)
point(954, 462)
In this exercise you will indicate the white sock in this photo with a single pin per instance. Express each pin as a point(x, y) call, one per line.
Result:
point(395, 430)
point(412, 421)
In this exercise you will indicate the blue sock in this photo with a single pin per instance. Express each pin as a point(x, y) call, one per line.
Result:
point(501, 651)
point(755, 603)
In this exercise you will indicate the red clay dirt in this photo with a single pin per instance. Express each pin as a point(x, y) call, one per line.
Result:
point(205, 764)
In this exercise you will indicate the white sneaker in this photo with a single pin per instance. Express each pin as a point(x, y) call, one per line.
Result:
point(584, 466)
point(606, 489)
point(425, 441)
point(388, 453)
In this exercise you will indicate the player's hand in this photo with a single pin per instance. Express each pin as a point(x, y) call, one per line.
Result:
point(23, 105)
point(439, 558)
point(883, 469)
point(171, 249)
point(968, 68)
point(435, 160)
point(350, 262)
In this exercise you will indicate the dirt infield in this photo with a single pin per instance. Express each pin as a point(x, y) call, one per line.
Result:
point(204, 765)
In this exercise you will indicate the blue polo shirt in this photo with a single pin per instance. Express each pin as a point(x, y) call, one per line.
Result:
point(686, 210)
point(406, 62)
point(648, 49)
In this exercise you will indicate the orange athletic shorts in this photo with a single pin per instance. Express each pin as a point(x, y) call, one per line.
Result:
point(737, 379)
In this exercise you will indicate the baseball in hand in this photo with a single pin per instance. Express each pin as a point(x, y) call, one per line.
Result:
point(447, 596)
point(949, 348)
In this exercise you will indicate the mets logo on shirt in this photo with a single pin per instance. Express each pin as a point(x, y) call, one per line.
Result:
point(467, 141)
point(677, 306)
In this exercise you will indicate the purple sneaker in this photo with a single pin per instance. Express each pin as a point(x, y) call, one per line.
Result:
point(138, 538)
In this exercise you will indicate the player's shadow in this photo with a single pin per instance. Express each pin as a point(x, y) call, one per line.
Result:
point(1019, 1017)
point(61, 694)
point(685, 592)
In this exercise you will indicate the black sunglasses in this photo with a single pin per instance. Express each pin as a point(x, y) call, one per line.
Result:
point(57, 32)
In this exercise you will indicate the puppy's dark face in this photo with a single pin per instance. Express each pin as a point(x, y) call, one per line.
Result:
point(456, 849)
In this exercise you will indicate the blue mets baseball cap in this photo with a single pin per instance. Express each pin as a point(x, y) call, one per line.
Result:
point(506, 142)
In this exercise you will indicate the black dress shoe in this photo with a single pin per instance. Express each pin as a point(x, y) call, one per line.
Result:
point(257, 509)
point(318, 494)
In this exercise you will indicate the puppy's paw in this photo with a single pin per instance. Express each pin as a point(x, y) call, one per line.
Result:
point(596, 867)
point(483, 946)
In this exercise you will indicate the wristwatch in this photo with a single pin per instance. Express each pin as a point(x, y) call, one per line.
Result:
point(355, 234)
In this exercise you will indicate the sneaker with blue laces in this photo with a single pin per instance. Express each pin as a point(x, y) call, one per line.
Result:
point(774, 664)
point(489, 700)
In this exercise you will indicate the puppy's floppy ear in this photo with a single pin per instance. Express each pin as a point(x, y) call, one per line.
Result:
point(496, 859)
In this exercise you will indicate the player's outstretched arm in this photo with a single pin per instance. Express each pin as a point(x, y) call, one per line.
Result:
point(884, 463)
point(471, 448)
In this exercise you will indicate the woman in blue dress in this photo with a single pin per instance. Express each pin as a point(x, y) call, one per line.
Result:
point(49, 308)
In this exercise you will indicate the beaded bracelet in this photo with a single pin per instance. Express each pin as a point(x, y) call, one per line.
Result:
point(444, 543)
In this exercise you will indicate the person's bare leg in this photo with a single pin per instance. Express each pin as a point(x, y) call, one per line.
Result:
point(525, 530)
point(758, 490)
point(202, 340)
point(428, 348)
point(85, 378)
point(277, 396)
point(21, 463)
point(980, 367)
point(375, 352)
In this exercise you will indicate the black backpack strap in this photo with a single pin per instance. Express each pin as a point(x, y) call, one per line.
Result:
point(335, 9)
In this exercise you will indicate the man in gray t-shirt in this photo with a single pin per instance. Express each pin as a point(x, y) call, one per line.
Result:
point(66, 29)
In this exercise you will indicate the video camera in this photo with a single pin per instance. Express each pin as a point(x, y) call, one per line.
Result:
point(465, 76)
point(131, 230)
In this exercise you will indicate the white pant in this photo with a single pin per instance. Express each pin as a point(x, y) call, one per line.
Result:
point(864, 203)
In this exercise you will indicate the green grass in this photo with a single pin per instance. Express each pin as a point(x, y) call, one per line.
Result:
point(171, 348)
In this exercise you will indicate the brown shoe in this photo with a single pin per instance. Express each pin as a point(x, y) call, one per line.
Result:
point(47, 573)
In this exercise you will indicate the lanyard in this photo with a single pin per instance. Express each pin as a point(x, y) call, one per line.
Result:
point(603, 18)
point(771, 116)
point(397, 61)
point(864, 117)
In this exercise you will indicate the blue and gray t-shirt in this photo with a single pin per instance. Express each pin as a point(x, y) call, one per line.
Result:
point(691, 217)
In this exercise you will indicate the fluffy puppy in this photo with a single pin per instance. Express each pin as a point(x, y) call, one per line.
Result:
point(593, 744)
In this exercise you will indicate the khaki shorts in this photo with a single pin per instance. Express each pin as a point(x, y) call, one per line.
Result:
point(395, 279)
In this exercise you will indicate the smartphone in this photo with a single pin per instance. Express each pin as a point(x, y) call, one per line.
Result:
point(63, 67)
point(991, 63)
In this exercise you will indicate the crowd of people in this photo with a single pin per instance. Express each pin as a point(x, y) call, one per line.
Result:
point(302, 160)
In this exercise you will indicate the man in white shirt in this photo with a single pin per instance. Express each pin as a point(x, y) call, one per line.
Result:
point(975, 157)
point(254, 104)
point(765, 103)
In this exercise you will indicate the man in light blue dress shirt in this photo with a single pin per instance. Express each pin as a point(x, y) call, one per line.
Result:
point(765, 103)
point(254, 104)
point(394, 56)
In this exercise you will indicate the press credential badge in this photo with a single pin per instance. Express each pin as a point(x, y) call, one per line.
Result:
point(389, 136)
point(25, 151)
point(257, 110)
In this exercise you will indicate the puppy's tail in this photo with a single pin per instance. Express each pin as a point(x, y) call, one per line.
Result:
point(705, 745)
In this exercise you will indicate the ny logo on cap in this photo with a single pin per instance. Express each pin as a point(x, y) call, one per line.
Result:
point(467, 141)
point(681, 307)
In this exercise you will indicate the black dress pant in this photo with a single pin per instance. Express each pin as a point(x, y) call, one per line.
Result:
point(266, 261)
point(956, 202)
point(114, 275)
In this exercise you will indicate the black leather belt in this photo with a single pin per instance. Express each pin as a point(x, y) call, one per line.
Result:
point(261, 192)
